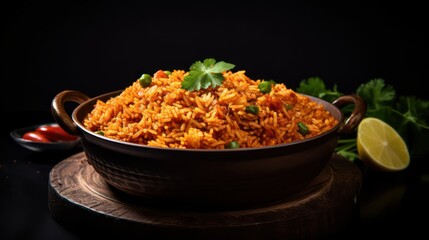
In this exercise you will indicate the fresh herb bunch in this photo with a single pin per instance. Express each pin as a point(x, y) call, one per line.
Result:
point(408, 115)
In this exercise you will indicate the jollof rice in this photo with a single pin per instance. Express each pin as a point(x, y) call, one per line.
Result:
point(165, 115)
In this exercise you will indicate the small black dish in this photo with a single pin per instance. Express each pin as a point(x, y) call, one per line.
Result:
point(41, 146)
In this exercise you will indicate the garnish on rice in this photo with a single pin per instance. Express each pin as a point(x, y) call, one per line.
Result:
point(205, 74)
point(208, 107)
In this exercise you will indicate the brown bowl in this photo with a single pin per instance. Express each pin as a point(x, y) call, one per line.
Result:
point(202, 177)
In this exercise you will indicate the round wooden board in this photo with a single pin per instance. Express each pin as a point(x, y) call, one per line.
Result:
point(83, 202)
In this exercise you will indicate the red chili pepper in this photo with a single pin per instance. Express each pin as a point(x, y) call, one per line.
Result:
point(160, 74)
point(35, 137)
point(55, 133)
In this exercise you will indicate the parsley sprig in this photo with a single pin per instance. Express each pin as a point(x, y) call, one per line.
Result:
point(408, 115)
point(205, 74)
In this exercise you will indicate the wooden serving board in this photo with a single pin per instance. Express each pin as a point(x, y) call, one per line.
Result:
point(81, 201)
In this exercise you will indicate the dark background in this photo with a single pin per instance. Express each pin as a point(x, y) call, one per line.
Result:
point(97, 47)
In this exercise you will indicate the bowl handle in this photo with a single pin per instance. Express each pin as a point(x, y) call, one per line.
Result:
point(357, 114)
point(59, 112)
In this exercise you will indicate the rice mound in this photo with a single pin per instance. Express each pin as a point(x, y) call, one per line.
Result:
point(165, 115)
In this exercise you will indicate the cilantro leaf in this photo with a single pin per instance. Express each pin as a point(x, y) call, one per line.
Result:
point(205, 74)
point(410, 118)
point(379, 99)
point(315, 87)
point(414, 110)
point(312, 86)
point(376, 94)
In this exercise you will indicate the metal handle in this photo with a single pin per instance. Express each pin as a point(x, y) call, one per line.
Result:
point(357, 114)
point(59, 112)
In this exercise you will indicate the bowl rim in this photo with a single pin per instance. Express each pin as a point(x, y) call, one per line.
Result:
point(92, 100)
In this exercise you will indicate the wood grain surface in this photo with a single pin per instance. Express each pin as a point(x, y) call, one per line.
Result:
point(84, 203)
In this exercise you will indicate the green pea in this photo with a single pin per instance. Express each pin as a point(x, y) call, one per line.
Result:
point(265, 86)
point(232, 144)
point(253, 109)
point(145, 80)
point(100, 133)
point(288, 106)
point(167, 72)
point(302, 128)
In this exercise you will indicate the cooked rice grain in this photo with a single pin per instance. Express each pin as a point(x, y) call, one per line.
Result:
point(165, 115)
